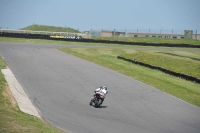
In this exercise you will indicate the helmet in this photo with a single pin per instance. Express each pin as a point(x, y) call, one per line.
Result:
point(105, 87)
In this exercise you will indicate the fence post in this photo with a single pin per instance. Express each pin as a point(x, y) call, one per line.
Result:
point(160, 32)
point(91, 32)
point(196, 34)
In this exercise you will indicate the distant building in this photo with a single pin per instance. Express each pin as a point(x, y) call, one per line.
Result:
point(106, 33)
point(188, 34)
point(86, 32)
point(155, 35)
point(196, 36)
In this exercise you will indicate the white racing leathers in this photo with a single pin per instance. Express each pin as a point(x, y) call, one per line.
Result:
point(98, 97)
point(101, 91)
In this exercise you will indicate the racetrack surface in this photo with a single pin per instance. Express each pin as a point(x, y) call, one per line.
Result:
point(60, 86)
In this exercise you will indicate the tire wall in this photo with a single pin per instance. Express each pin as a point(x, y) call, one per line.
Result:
point(180, 75)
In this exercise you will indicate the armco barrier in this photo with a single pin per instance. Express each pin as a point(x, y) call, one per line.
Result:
point(42, 36)
point(180, 75)
point(24, 35)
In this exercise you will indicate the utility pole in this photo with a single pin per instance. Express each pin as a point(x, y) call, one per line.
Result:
point(114, 32)
point(160, 32)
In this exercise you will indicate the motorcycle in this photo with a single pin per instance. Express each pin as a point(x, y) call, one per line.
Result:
point(97, 100)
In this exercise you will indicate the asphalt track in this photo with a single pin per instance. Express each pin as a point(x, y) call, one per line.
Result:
point(60, 86)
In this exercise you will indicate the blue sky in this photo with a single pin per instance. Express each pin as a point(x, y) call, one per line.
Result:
point(104, 14)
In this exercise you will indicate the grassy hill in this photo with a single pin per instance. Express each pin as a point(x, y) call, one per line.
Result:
point(37, 27)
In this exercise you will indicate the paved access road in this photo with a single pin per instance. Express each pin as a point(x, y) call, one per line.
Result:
point(61, 85)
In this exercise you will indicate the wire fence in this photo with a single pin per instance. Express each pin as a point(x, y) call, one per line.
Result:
point(163, 33)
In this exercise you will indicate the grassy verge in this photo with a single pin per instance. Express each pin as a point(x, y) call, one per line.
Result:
point(150, 40)
point(12, 120)
point(44, 41)
point(31, 41)
point(185, 90)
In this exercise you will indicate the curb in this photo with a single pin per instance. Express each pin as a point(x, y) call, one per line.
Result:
point(20, 96)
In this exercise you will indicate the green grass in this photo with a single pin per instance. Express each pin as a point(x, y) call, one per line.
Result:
point(175, 63)
point(12, 120)
point(31, 41)
point(151, 40)
point(44, 41)
point(180, 88)
point(37, 27)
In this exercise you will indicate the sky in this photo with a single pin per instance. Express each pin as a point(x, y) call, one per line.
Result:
point(120, 15)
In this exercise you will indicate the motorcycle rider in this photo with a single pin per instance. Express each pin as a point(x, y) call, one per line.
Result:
point(101, 90)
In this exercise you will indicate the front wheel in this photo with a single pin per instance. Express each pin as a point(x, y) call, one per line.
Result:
point(98, 103)
point(90, 102)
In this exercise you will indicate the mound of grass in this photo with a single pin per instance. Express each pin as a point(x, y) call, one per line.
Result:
point(37, 27)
